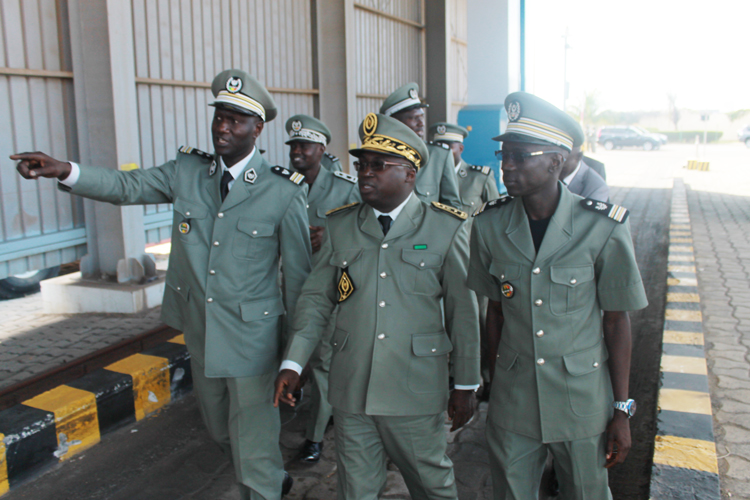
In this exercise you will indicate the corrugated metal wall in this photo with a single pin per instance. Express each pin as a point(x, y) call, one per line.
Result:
point(389, 49)
point(458, 73)
point(181, 46)
point(39, 227)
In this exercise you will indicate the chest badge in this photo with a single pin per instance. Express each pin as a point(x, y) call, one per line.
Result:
point(250, 176)
point(462, 173)
point(184, 227)
point(346, 285)
point(507, 290)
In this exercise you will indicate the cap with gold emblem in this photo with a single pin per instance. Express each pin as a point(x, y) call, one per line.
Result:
point(447, 132)
point(386, 135)
point(534, 120)
point(402, 99)
point(236, 90)
point(305, 128)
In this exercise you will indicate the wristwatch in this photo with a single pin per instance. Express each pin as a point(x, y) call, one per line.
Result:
point(628, 407)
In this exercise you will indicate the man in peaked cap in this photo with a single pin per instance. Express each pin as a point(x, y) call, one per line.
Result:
point(561, 275)
point(234, 216)
point(327, 190)
point(387, 264)
point(436, 181)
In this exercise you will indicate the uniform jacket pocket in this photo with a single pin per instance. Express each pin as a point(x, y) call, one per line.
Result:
point(571, 288)
point(252, 238)
point(589, 385)
point(428, 367)
point(192, 214)
point(261, 309)
point(419, 272)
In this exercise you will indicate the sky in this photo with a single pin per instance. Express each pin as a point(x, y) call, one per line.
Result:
point(634, 53)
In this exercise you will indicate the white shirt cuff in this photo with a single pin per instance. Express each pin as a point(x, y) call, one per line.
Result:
point(288, 364)
point(72, 178)
point(466, 387)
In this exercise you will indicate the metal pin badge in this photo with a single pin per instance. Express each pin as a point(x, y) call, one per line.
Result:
point(507, 290)
point(250, 176)
point(184, 227)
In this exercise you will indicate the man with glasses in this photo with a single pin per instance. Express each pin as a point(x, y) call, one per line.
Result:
point(387, 263)
point(561, 274)
point(326, 190)
point(436, 180)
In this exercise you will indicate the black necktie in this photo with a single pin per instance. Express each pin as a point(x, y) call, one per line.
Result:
point(385, 223)
point(225, 180)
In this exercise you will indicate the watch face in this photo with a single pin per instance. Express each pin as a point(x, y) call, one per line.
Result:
point(631, 408)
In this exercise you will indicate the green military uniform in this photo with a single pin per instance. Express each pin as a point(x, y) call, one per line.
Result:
point(436, 181)
point(330, 190)
point(221, 286)
point(552, 387)
point(331, 162)
point(389, 373)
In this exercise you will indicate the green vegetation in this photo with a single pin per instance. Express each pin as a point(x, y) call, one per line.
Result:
point(688, 136)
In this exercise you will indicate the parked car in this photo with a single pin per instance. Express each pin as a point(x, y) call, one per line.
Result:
point(619, 137)
point(744, 135)
point(662, 137)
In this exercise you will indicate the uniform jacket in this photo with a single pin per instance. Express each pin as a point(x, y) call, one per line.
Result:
point(476, 186)
point(221, 287)
point(588, 184)
point(390, 345)
point(436, 181)
point(551, 375)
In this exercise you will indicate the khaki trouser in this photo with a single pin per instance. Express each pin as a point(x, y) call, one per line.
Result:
point(517, 463)
point(417, 446)
point(240, 417)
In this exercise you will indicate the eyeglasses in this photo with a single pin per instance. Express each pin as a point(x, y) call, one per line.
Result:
point(518, 157)
point(376, 166)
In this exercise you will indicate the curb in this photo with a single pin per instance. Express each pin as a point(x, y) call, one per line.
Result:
point(65, 421)
point(685, 464)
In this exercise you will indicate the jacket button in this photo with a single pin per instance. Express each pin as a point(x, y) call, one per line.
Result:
point(209, 300)
point(433, 349)
point(255, 232)
point(540, 361)
point(216, 243)
point(178, 288)
point(536, 270)
point(596, 364)
point(344, 263)
point(538, 302)
point(220, 215)
point(265, 313)
point(573, 281)
point(187, 214)
point(383, 275)
point(381, 303)
point(428, 193)
point(384, 245)
point(502, 276)
point(421, 264)
point(212, 272)
point(307, 206)
point(381, 336)
point(540, 333)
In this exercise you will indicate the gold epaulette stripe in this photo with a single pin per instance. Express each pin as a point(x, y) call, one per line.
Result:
point(459, 214)
point(339, 209)
point(296, 178)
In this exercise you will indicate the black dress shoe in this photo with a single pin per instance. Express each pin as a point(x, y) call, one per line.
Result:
point(310, 452)
point(286, 484)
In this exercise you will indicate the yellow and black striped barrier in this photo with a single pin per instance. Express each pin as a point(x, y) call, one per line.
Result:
point(60, 423)
point(697, 165)
point(685, 465)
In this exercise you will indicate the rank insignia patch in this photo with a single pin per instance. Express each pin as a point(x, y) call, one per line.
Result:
point(250, 176)
point(212, 170)
point(346, 285)
point(507, 290)
point(614, 212)
point(462, 173)
point(184, 227)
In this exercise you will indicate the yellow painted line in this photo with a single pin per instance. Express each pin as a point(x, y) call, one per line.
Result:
point(681, 269)
point(76, 418)
point(150, 381)
point(4, 486)
point(680, 258)
point(680, 248)
point(673, 234)
point(683, 227)
point(681, 240)
point(685, 401)
point(687, 338)
point(683, 297)
point(682, 282)
point(683, 364)
point(180, 339)
point(686, 453)
point(682, 315)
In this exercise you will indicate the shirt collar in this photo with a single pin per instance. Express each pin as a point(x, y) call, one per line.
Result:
point(237, 168)
point(458, 167)
point(394, 213)
point(569, 178)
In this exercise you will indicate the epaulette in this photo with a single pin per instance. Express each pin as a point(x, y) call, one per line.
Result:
point(479, 168)
point(192, 151)
point(346, 177)
point(458, 214)
point(614, 212)
point(341, 209)
point(295, 177)
point(440, 145)
point(494, 203)
point(331, 157)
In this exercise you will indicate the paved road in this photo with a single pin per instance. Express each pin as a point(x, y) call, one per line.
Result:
point(170, 455)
